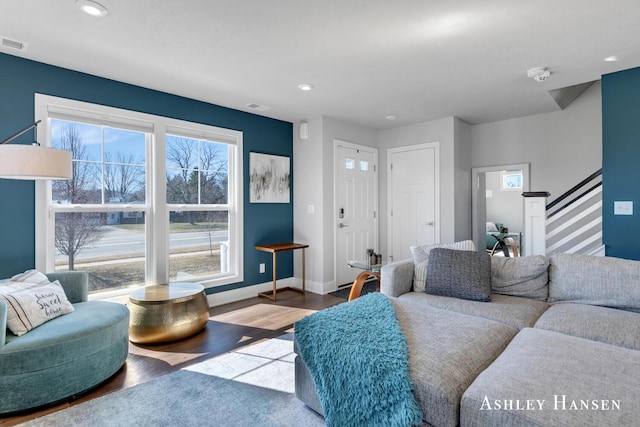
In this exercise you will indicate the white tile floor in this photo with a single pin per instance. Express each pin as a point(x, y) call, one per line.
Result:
point(267, 364)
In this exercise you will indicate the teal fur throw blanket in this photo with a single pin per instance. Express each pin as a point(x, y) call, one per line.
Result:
point(358, 357)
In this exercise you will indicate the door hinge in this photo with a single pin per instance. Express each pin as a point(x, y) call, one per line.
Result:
point(391, 212)
point(374, 214)
point(391, 166)
point(374, 168)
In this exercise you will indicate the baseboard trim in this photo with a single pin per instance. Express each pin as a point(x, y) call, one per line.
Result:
point(247, 292)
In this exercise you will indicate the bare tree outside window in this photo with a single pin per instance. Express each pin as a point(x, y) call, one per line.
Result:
point(123, 182)
point(197, 173)
point(74, 231)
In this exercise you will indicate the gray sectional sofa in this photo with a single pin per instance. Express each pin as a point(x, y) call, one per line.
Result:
point(557, 344)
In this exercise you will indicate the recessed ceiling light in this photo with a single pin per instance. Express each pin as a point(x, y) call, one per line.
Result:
point(92, 8)
point(305, 86)
point(391, 117)
point(612, 58)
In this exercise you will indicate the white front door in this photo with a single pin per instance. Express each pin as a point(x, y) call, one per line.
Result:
point(413, 183)
point(356, 204)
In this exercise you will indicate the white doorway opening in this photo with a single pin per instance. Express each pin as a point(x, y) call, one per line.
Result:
point(496, 199)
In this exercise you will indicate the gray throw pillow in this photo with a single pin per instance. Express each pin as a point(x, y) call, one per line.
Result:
point(459, 274)
point(421, 260)
point(525, 276)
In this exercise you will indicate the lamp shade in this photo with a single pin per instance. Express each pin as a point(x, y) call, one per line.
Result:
point(18, 161)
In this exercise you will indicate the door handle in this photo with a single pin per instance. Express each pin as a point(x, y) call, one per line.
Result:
point(429, 224)
point(342, 225)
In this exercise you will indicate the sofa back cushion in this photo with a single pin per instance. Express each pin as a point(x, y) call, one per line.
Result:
point(526, 277)
point(603, 281)
point(421, 260)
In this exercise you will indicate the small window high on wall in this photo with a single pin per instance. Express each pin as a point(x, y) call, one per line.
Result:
point(151, 200)
point(511, 181)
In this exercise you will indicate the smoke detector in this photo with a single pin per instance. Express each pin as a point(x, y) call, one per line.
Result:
point(538, 74)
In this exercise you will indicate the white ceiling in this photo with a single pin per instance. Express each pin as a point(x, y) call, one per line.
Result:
point(416, 59)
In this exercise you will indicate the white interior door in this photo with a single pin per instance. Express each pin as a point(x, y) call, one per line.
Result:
point(413, 183)
point(356, 182)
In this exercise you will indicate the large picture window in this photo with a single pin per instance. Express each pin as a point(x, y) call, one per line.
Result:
point(151, 200)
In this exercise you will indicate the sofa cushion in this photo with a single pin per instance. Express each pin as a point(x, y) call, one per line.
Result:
point(548, 373)
point(447, 350)
point(603, 281)
point(521, 276)
point(30, 304)
point(608, 325)
point(459, 274)
point(420, 256)
point(512, 311)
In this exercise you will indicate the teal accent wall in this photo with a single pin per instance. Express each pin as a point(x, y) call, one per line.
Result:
point(21, 79)
point(621, 162)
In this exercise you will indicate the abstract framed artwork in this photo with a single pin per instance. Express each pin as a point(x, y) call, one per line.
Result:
point(269, 178)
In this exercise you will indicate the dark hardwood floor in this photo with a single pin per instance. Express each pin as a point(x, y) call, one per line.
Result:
point(231, 326)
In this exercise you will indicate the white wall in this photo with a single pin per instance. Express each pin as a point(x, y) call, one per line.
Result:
point(313, 173)
point(563, 147)
point(451, 213)
point(462, 181)
point(308, 188)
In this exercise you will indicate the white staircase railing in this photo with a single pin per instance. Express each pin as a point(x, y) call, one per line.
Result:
point(572, 227)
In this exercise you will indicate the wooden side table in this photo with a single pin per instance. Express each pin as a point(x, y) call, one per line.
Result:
point(274, 249)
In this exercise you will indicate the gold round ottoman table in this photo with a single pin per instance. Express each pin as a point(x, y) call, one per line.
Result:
point(164, 313)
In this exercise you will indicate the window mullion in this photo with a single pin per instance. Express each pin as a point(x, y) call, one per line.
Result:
point(158, 242)
point(102, 164)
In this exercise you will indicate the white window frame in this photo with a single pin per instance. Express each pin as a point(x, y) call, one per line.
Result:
point(504, 177)
point(156, 208)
